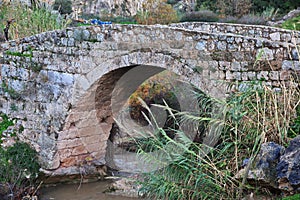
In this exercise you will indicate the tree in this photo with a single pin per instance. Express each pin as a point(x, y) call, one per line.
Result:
point(284, 6)
point(156, 12)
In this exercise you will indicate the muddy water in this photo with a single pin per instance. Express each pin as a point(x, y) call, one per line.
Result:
point(87, 191)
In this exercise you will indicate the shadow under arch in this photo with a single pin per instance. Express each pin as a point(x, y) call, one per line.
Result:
point(112, 93)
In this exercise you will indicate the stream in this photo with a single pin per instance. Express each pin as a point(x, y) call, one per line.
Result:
point(87, 191)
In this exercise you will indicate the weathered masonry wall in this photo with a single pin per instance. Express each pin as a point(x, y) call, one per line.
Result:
point(59, 83)
point(265, 32)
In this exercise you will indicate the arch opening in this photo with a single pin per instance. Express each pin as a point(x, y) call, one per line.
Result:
point(139, 100)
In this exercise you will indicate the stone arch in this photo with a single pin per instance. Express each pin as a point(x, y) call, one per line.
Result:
point(87, 127)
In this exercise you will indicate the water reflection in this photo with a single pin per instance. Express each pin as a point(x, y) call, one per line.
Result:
point(87, 191)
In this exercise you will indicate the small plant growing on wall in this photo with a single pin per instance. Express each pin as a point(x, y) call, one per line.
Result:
point(7, 89)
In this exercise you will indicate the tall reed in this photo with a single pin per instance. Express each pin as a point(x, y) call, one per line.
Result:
point(253, 114)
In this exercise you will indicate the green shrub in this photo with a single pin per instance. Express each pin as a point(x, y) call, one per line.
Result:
point(206, 5)
point(156, 12)
point(30, 21)
point(200, 16)
point(19, 169)
point(292, 24)
point(4, 124)
point(253, 6)
point(293, 197)
point(283, 6)
point(63, 6)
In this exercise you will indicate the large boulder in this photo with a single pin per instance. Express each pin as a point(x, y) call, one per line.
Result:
point(263, 169)
point(288, 169)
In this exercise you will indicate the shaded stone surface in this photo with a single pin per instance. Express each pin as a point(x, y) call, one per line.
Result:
point(288, 168)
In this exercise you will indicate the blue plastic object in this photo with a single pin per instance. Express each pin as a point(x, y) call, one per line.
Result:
point(94, 21)
point(99, 22)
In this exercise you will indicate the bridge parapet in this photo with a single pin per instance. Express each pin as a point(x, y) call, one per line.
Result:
point(253, 31)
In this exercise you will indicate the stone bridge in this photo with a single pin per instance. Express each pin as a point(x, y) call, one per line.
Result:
point(59, 84)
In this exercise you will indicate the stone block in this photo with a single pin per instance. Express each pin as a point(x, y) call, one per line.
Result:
point(214, 75)
point(210, 45)
point(86, 35)
point(285, 75)
point(275, 36)
point(233, 75)
point(223, 65)
point(89, 130)
point(80, 150)
point(64, 144)
point(67, 162)
point(251, 75)
point(96, 147)
point(201, 46)
point(70, 33)
point(295, 40)
point(265, 54)
point(244, 76)
point(70, 133)
point(235, 66)
point(60, 78)
point(274, 75)
point(229, 75)
point(293, 65)
point(221, 75)
point(263, 75)
point(88, 140)
point(295, 54)
point(233, 47)
point(87, 122)
point(64, 42)
point(237, 75)
point(286, 37)
point(64, 153)
point(221, 45)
